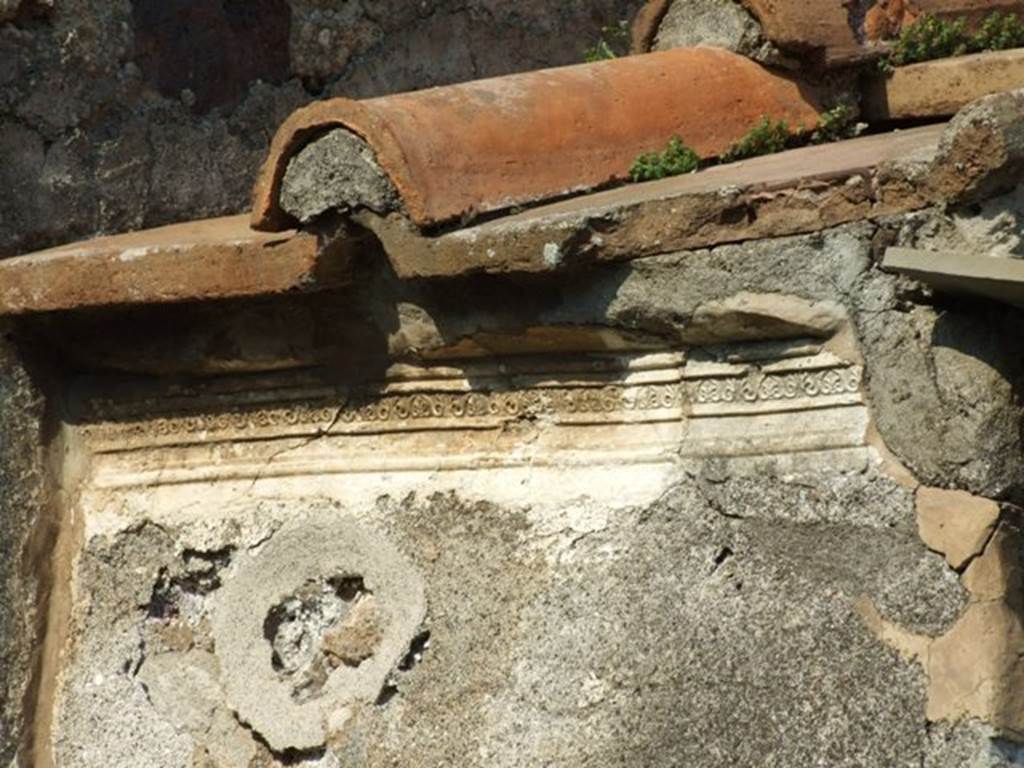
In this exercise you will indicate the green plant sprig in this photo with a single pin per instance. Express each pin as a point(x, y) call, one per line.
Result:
point(675, 159)
point(614, 42)
point(931, 37)
point(767, 137)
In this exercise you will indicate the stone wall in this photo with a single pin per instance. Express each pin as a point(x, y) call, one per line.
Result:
point(122, 115)
point(669, 491)
point(23, 546)
point(751, 504)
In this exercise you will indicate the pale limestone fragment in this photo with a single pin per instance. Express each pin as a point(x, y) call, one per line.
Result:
point(354, 639)
point(956, 524)
point(976, 669)
point(748, 315)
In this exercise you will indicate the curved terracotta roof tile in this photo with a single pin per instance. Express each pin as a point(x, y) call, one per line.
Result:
point(646, 23)
point(886, 18)
point(804, 24)
point(970, 8)
point(493, 144)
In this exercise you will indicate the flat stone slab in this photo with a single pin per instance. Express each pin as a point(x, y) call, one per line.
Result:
point(210, 259)
point(957, 272)
point(802, 190)
point(941, 87)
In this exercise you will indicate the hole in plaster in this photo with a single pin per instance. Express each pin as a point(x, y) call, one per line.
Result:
point(724, 554)
point(162, 603)
point(417, 648)
point(325, 625)
point(738, 214)
point(203, 570)
point(856, 11)
point(387, 693)
point(284, 757)
point(200, 576)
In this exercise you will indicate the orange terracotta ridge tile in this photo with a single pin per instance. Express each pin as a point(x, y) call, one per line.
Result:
point(492, 144)
point(828, 26)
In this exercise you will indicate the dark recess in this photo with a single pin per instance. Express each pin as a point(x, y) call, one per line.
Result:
point(214, 48)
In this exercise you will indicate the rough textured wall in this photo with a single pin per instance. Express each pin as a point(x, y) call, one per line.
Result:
point(570, 614)
point(559, 634)
point(21, 502)
point(117, 115)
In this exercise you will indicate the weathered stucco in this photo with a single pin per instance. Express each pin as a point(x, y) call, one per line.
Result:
point(669, 475)
point(529, 658)
point(586, 562)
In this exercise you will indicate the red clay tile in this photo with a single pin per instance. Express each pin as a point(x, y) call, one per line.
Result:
point(886, 18)
point(493, 144)
point(210, 259)
point(804, 24)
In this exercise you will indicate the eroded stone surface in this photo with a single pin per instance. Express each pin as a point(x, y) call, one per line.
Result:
point(982, 152)
point(528, 658)
point(995, 225)
point(207, 53)
point(945, 390)
point(764, 316)
point(722, 23)
point(23, 561)
point(974, 668)
point(338, 172)
point(277, 654)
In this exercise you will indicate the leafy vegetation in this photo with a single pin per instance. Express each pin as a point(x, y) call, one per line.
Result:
point(676, 159)
point(999, 32)
point(931, 37)
point(614, 42)
point(765, 138)
point(835, 124)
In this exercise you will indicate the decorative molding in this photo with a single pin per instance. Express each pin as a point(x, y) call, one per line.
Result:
point(423, 410)
point(767, 388)
point(670, 393)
